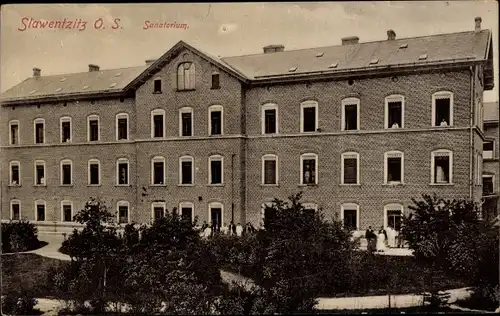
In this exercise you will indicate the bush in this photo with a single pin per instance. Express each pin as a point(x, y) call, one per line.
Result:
point(19, 236)
point(19, 302)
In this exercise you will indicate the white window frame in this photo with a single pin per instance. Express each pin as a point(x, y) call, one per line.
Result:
point(183, 110)
point(18, 164)
point(186, 159)
point(118, 117)
point(158, 159)
point(265, 158)
point(433, 154)
point(489, 140)
point(153, 114)
point(37, 163)
point(349, 155)
point(216, 205)
point(310, 206)
point(61, 121)
point(37, 121)
point(63, 203)
point(309, 104)
point(118, 162)
point(40, 202)
point(12, 202)
point(309, 156)
point(186, 204)
point(263, 210)
point(392, 207)
point(349, 206)
point(393, 154)
point(94, 117)
point(350, 101)
point(122, 203)
point(157, 204)
point(441, 95)
point(61, 173)
point(394, 98)
point(92, 162)
point(492, 180)
point(216, 108)
point(215, 158)
point(265, 107)
point(15, 122)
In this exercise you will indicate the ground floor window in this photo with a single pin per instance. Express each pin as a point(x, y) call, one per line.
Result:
point(67, 212)
point(393, 216)
point(158, 209)
point(40, 210)
point(350, 216)
point(186, 211)
point(15, 210)
point(216, 215)
point(123, 212)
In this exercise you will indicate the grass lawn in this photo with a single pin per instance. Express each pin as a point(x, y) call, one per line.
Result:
point(29, 271)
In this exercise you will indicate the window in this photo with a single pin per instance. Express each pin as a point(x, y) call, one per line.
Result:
point(40, 210)
point(215, 80)
point(158, 210)
point(122, 171)
point(94, 172)
point(93, 128)
point(350, 168)
point(310, 208)
point(309, 116)
point(442, 109)
point(441, 167)
point(394, 111)
point(488, 188)
point(186, 170)
point(186, 76)
point(216, 215)
point(158, 171)
point(269, 119)
point(157, 123)
point(268, 213)
point(216, 165)
point(270, 169)
point(350, 114)
point(123, 212)
point(66, 172)
point(39, 131)
point(15, 210)
point(15, 173)
point(488, 149)
point(394, 167)
point(14, 132)
point(216, 120)
point(40, 173)
point(186, 121)
point(66, 211)
point(350, 216)
point(122, 126)
point(157, 86)
point(308, 169)
point(186, 210)
point(479, 169)
point(66, 132)
point(393, 216)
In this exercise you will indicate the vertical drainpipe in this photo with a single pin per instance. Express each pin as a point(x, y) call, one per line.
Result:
point(471, 140)
point(232, 187)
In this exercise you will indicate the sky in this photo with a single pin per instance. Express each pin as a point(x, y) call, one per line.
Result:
point(220, 29)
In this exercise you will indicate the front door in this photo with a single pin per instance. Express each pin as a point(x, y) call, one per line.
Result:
point(216, 217)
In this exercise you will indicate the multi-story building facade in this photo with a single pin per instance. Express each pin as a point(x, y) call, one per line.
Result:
point(360, 128)
point(491, 162)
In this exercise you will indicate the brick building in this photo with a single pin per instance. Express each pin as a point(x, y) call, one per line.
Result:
point(360, 128)
point(491, 162)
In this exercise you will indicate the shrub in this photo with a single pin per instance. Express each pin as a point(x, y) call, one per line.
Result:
point(19, 302)
point(19, 236)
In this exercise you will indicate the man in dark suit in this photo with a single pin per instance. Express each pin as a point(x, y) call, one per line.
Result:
point(371, 238)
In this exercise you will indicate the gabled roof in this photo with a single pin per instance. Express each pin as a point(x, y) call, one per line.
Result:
point(491, 111)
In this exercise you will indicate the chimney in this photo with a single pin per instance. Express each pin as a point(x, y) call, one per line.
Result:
point(37, 72)
point(350, 40)
point(93, 67)
point(391, 35)
point(478, 21)
point(273, 48)
point(150, 61)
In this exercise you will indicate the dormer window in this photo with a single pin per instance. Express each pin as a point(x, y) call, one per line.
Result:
point(186, 76)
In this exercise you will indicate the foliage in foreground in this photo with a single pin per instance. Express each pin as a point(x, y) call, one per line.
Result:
point(19, 236)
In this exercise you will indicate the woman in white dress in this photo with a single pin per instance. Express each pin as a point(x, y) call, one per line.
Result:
point(391, 237)
point(381, 240)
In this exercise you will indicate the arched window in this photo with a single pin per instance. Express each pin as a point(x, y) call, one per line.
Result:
point(158, 175)
point(394, 167)
point(270, 169)
point(394, 111)
point(186, 211)
point(349, 215)
point(14, 128)
point(393, 214)
point(66, 172)
point(15, 210)
point(158, 210)
point(122, 126)
point(350, 114)
point(66, 211)
point(94, 172)
point(216, 120)
point(15, 173)
point(442, 167)
point(122, 172)
point(186, 121)
point(186, 170)
point(123, 214)
point(186, 76)
point(93, 128)
point(216, 169)
point(269, 119)
point(216, 215)
point(350, 168)
point(309, 169)
point(308, 116)
point(442, 109)
point(39, 131)
point(40, 210)
point(40, 175)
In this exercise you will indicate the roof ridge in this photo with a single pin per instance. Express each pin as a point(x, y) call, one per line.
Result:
point(329, 46)
point(86, 72)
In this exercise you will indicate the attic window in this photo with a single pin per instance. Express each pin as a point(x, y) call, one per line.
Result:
point(63, 79)
point(374, 61)
point(31, 92)
point(320, 54)
point(334, 65)
point(118, 74)
point(86, 87)
point(404, 45)
point(58, 89)
point(292, 69)
point(112, 85)
point(423, 56)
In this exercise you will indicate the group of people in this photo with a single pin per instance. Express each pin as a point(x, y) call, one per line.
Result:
point(208, 230)
point(383, 239)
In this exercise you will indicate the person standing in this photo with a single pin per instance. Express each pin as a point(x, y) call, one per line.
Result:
point(232, 229)
point(381, 238)
point(370, 238)
point(207, 233)
point(239, 230)
point(401, 241)
point(391, 236)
